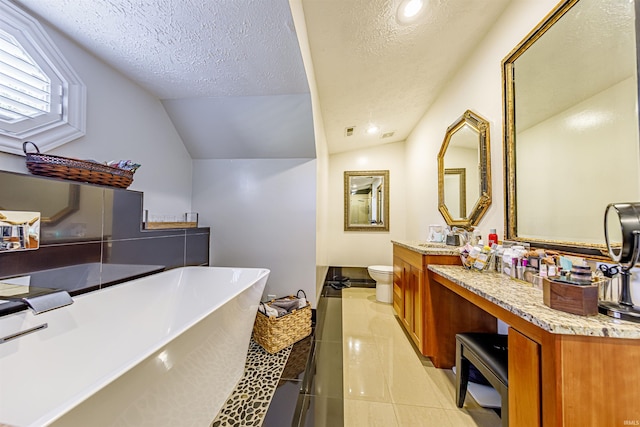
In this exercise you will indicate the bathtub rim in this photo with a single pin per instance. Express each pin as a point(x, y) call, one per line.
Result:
point(56, 411)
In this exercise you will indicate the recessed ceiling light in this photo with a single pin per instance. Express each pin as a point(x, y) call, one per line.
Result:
point(372, 129)
point(408, 10)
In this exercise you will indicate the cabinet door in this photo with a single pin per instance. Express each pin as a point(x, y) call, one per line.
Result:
point(417, 308)
point(398, 287)
point(407, 282)
point(524, 381)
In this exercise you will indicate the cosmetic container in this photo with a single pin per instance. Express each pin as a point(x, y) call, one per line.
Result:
point(493, 237)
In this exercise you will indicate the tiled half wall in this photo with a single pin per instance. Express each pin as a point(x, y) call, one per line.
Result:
point(96, 226)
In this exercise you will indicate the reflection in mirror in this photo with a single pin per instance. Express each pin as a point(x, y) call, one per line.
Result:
point(571, 125)
point(19, 230)
point(366, 200)
point(613, 232)
point(464, 177)
point(55, 199)
point(455, 197)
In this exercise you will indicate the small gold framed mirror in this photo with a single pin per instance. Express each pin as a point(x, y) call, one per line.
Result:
point(464, 171)
point(366, 200)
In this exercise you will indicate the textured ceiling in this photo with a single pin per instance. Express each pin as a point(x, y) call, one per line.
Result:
point(188, 48)
point(204, 59)
point(222, 55)
point(372, 70)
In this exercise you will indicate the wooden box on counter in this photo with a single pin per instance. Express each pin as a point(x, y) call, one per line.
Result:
point(575, 299)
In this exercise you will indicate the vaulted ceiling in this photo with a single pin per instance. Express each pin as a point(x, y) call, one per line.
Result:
point(230, 72)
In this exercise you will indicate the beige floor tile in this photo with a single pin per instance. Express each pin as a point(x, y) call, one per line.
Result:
point(411, 387)
point(362, 376)
point(357, 325)
point(357, 293)
point(380, 307)
point(383, 370)
point(391, 340)
point(359, 348)
point(408, 381)
point(419, 416)
point(358, 413)
point(481, 418)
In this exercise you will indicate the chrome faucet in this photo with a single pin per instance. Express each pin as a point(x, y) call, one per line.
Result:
point(38, 300)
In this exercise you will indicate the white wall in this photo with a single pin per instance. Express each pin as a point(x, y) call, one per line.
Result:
point(478, 87)
point(358, 248)
point(124, 122)
point(262, 213)
point(322, 151)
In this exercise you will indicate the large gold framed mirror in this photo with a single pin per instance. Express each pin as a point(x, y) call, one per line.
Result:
point(464, 171)
point(366, 200)
point(571, 125)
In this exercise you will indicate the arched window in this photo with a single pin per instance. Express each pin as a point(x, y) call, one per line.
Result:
point(41, 98)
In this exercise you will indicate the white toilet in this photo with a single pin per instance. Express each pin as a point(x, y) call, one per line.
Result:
point(383, 275)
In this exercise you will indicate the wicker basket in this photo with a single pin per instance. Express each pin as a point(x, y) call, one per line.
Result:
point(75, 170)
point(276, 333)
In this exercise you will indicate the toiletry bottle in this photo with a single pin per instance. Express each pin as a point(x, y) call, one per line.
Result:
point(529, 271)
point(520, 269)
point(493, 237)
point(514, 266)
point(543, 270)
point(482, 259)
point(507, 256)
point(473, 254)
point(498, 258)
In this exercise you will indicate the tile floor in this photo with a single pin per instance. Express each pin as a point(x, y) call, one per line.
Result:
point(313, 396)
point(386, 382)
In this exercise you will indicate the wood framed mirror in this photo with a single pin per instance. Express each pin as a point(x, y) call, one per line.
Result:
point(366, 200)
point(571, 125)
point(464, 171)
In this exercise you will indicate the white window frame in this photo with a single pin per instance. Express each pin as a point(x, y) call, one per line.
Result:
point(71, 123)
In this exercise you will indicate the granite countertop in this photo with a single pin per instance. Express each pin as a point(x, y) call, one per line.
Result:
point(525, 301)
point(427, 248)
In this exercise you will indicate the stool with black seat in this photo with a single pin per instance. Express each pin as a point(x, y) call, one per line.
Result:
point(488, 352)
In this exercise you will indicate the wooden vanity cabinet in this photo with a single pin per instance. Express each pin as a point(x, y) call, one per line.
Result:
point(408, 290)
point(411, 296)
point(524, 380)
point(555, 380)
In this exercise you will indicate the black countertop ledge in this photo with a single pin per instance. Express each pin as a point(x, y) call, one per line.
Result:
point(77, 279)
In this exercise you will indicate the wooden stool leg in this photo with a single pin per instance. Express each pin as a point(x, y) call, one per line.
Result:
point(504, 411)
point(462, 376)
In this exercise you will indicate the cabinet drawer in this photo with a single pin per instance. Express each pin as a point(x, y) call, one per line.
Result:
point(408, 256)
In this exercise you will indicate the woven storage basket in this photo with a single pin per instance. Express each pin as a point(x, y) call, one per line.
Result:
point(276, 333)
point(75, 170)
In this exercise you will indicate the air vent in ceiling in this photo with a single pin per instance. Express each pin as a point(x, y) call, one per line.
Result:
point(349, 131)
point(387, 135)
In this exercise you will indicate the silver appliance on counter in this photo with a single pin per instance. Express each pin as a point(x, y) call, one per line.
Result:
point(622, 236)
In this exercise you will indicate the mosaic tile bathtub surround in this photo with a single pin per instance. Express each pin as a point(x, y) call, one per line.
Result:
point(249, 402)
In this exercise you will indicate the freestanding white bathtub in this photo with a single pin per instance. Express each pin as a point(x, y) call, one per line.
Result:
point(163, 350)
